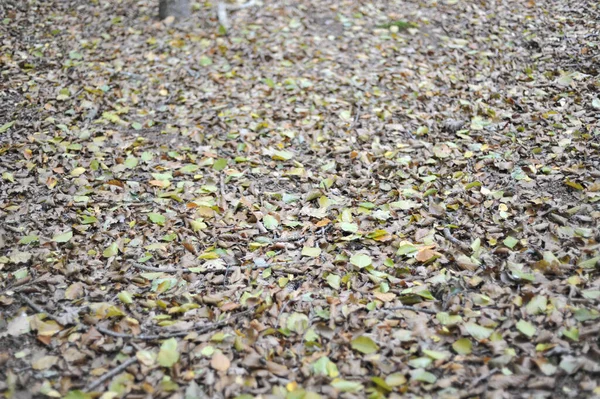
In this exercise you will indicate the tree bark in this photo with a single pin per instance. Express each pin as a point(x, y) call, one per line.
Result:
point(179, 9)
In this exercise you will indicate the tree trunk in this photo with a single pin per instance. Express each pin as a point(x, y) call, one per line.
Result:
point(179, 9)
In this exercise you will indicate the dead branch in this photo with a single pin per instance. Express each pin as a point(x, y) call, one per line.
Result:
point(181, 333)
point(464, 247)
point(38, 308)
point(158, 269)
point(414, 309)
point(115, 371)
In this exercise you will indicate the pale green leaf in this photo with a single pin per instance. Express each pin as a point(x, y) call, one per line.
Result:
point(361, 260)
point(526, 328)
point(364, 345)
point(125, 297)
point(111, 250)
point(347, 386)
point(478, 332)
point(313, 252)
point(63, 237)
point(270, 222)
point(168, 354)
point(157, 218)
point(334, 281)
point(463, 346)
point(29, 239)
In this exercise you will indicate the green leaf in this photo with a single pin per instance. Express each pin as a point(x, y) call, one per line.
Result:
point(125, 297)
point(537, 305)
point(574, 184)
point(463, 346)
point(111, 250)
point(349, 227)
point(313, 252)
point(590, 294)
point(85, 219)
point(395, 380)
point(157, 218)
point(131, 162)
point(324, 366)
point(364, 345)
point(435, 355)
point(63, 237)
point(220, 164)
point(6, 126)
point(197, 225)
point(478, 332)
point(526, 328)
point(420, 362)
point(584, 314)
point(189, 168)
point(334, 281)
point(297, 322)
point(282, 155)
point(404, 205)
point(380, 382)
point(361, 260)
point(590, 263)
point(168, 354)
point(74, 55)
point(270, 222)
point(29, 239)
point(423, 376)
point(345, 115)
point(510, 242)
point(205, 61)
point(446, 319)
point(77, 394)
point(572, 334)
point(347, 386)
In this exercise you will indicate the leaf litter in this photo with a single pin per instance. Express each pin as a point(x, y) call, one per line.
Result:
point(381, 199)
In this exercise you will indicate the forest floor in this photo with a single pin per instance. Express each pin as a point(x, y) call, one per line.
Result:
point(331, 199)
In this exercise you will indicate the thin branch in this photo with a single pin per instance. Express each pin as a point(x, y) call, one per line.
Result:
point(464, 247)
point(181, 333)
point(223, 201)
point(38, 308)
point(115, 371)
point(414, 309)
point(158, 269)
point(17, 284)
point(293, 237)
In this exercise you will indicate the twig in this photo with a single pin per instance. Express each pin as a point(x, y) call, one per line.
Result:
point(484, 377)
point(158, 269)
point(13, 229)
point(17, 284)
point(464, 247)
point(219, 271)
point(223, 192)
point(293, 237)
point(182, 333)
point(414, 309)
point(355, 121)
point(112, 373)
point(38, 308)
